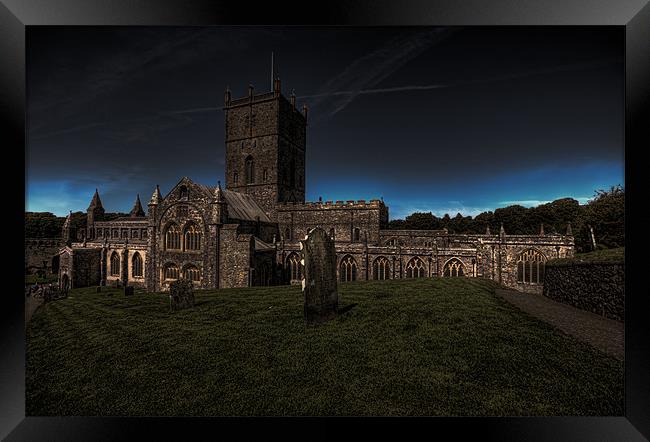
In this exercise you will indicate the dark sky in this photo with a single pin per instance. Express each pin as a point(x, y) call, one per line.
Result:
point(431, 119)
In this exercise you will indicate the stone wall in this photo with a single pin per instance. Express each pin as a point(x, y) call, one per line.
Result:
point(270, 132)
point(598, 287)
point(295, 220)
point(40, 254)
point(86, 265)
point(235, 252)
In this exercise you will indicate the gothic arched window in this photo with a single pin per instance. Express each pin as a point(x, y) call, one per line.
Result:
point(136, 265)
point(170, 271)
point(192, 238)
point(173, 238)
point(415, 268)
point(192, 273)
point(530, 267)
point(115, 264)
point(294, 266)
point(250, 170)
point(453, 268)
point(356, 235)
point(381, 268)
point(332, 233)
point(348, 269)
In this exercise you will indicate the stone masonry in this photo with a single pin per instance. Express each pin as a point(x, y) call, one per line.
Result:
point(249, 232)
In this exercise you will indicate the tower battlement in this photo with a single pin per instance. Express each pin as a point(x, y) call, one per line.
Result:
point(320, 205)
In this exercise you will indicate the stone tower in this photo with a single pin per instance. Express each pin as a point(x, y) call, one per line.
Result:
point(265, 147)
point(95, 213)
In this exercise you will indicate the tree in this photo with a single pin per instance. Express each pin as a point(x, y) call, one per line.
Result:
point(606, 215)
point(43, 225)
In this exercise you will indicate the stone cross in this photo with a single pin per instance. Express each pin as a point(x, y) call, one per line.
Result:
point(319, 276)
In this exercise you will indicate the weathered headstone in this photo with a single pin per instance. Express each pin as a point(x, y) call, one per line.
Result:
point(181, 294)
point(319, 276)
point(128, 290)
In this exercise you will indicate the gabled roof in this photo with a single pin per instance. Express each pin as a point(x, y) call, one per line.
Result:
point(240, 205)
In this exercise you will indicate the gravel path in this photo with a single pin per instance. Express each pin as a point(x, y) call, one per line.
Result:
point(602, 333)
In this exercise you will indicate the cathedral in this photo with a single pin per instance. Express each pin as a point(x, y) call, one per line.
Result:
point(248, 232)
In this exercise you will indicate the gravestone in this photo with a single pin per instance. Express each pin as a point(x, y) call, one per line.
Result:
point(128, 290)
point(181, 294)
point(319, 276)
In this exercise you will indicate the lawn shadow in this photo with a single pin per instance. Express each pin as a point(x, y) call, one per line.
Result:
point(347, 308)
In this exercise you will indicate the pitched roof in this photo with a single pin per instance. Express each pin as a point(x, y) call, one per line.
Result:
point(261, 245)
point(240, 205)
point(244, 207)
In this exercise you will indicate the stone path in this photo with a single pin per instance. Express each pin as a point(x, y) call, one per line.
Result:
point(602, 333)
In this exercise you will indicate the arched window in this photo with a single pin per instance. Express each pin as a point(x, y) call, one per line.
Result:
point(287, 234)
point(415, 268)
point(250, 170)
point(348, 269)
point(192, 238)
point(115, 264)
point(136, 264)
point(453, 268)
point(192, 273)
point(235, 178)
point(294, 266)
point(183, 192)
point(170, 271)
point(530, 267)
point(357, 234)
point(392, 242)
point(381, 268)
point(173, 238)
point(332, 233)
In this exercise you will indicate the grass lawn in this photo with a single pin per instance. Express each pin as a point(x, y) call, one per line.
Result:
point(405, 347)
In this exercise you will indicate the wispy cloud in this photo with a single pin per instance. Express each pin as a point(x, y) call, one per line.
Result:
point(135, 129)
point(535, 203)
point(350, 94)
point(400, 211)
point(525, 203)
point(372, 68)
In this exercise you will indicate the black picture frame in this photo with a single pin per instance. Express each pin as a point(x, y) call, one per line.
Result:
point(17, 15)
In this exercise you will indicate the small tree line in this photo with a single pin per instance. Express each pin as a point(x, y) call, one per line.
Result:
point(603, 215)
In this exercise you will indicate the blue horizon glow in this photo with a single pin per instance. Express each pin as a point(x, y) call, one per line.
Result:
point(473, 196)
